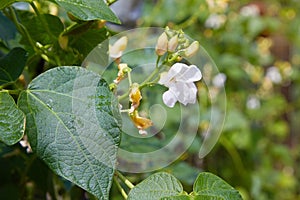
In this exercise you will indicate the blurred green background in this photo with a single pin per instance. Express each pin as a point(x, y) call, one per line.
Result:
point(256, 44)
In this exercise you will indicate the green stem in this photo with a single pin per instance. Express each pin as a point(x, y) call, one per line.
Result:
point(53, 37)
point(234, 155)
point(155, 72)
point(122, 97)
point(120, 188)
point(157, 61)
point(129, 78)
point(124, 179)
point(16, 92)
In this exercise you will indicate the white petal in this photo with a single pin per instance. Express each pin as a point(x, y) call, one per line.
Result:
point(116, 50)
point(169, 98)
point(169, 77)
point(191, 74)
point(185, 92)
point(177, 68)
point(164, 79)
point(178, 90)
point(192, 92)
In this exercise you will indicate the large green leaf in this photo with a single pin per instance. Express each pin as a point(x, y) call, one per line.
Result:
point(5, 3)
point(89, 9)
point(12, 65)
point(211, 187)
point(156, 186)
point(12, 120)
point(72, 124)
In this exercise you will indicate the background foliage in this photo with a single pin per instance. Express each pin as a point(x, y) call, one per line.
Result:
point(259, 148)
point(258, 152)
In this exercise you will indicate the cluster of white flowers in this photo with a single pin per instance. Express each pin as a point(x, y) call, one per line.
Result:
point(179, 79)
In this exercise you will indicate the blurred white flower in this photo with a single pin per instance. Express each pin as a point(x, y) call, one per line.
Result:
point(219, 80)
point(217, 5)
point(274, 75)
point(253, 103)
point(180, 81)
point(215, 21)
point(249, 11)
point(116, 50)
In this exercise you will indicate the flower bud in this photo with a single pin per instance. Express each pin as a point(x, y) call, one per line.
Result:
point(162, 44)
point(116, 50)
point(192, 49)
point(172, 44)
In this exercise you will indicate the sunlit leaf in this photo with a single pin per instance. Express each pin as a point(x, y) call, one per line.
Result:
point(89, 9)
point(73, 126)
point(155, 187)
point(211, 187)
point(178, 197)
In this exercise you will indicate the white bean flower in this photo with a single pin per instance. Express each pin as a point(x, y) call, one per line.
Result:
point(180, 81)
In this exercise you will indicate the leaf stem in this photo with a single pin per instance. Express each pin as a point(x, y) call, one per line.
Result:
point(124, 179)
point(21, 28)
point(120, 188)
point(145, 82)
point(129, 78)
point(17, 92)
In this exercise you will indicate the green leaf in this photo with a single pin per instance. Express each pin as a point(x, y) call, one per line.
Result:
point(211, 187)
point(156, 186)
point(207, 197)
point(178, 197)
point(72, 124)
point(89, 9)
point(43, 33)
point(87, 41)
point(5, 3)
point(12, 65)
point(12, 120)
point(7, 28)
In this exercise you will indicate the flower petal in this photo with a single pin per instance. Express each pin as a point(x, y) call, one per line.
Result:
point(190, 74)
point(116, 50)
point(169, 98)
